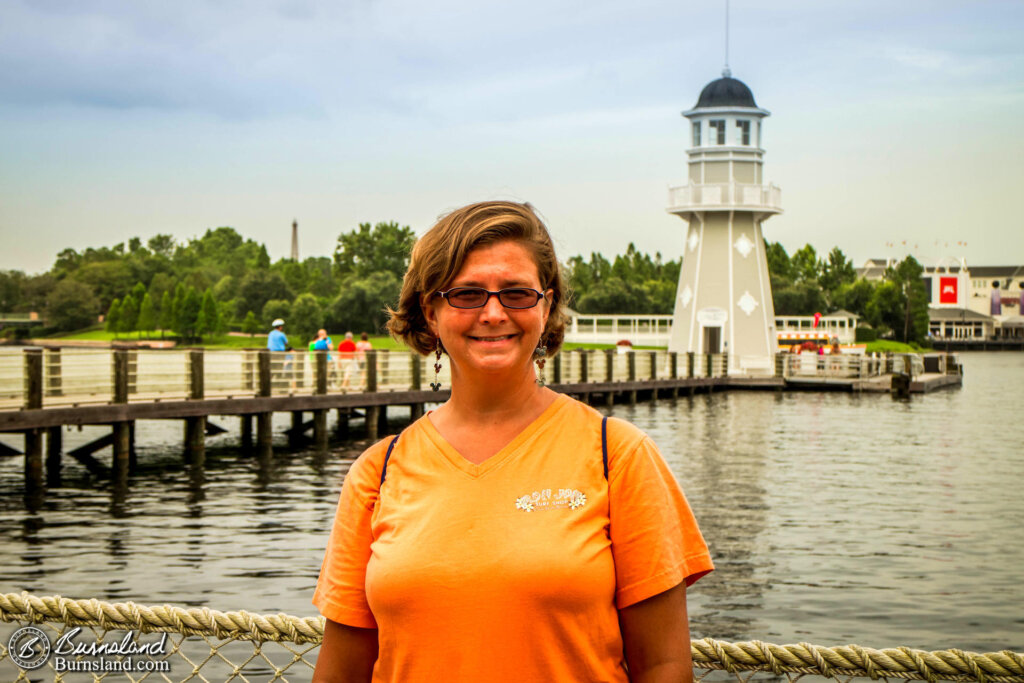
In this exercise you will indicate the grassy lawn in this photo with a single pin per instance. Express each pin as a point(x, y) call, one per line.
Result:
point(883, 345)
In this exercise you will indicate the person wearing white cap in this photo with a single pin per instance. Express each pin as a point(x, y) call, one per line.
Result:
point(277, 340)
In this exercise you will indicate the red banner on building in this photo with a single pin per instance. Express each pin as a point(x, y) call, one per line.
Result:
point(947, 290)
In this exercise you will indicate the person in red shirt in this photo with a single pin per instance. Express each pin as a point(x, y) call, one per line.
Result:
point(349, 364)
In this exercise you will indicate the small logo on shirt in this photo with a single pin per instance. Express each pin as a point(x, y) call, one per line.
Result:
point(551, 499)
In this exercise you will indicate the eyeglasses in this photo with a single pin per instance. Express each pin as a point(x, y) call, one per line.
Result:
point(477, 297)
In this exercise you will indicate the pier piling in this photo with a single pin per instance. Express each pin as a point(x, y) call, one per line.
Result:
point(195, 427)
point(320, 415)
point(264, 421)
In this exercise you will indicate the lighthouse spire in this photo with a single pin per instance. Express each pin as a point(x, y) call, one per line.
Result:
point(726, 72)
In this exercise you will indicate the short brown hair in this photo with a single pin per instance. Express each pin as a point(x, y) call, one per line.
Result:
point(439, 255)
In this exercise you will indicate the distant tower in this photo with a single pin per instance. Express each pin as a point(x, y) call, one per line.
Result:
point(295, 241)
point(724, 298)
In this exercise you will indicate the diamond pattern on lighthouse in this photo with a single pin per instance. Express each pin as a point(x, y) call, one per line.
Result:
point(744, 245)
point(747, 303)
point(686, 296)
point(694, 240)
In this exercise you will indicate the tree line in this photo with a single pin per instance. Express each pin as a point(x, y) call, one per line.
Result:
point(220, 281)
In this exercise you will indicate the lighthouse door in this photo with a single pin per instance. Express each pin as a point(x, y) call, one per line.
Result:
point(712, 340)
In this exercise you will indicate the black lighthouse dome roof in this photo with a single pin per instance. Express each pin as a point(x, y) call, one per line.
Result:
point(726, 92)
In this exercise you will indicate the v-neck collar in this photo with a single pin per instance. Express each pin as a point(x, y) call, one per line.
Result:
point(506, 452)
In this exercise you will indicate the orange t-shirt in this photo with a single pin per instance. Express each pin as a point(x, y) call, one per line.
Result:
point(512, 569)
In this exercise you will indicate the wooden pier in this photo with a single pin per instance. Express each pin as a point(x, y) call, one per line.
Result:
point(44, 389)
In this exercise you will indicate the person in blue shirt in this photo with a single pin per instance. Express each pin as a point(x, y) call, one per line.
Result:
point(277, 340)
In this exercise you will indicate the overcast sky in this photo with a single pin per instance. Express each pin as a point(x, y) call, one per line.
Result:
point(891, 121)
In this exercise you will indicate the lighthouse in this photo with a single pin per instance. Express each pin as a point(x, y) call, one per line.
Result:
point(724, 298)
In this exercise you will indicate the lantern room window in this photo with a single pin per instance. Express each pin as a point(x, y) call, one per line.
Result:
point(696, 134)
point(718, 126)
point(744, 127)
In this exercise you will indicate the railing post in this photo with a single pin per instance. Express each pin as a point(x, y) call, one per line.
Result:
point(416, 409)
point(371, 371)
point(609, 375)
point(710, 360)
point(654, 364)
point(631, 366)
point(122, 430)
point(382, 372)
point(52, 373)
point(417, 371)
point(690, 362)
point(195, 427)
point(556, 369)
point(320, 414)
point(584, 366)
point(248, 370)
point(33, 401)
point(264, 419)
point(673, 357)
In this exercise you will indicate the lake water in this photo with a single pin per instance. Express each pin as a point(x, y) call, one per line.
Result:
point(833, 518)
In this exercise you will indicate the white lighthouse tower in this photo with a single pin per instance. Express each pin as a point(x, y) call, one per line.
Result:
point(724, 298)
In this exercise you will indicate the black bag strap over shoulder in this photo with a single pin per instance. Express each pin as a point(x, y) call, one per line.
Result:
point(604, 445)
point(387, 456)
point(604, 451)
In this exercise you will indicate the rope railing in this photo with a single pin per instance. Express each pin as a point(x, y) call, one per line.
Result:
point(792, 661)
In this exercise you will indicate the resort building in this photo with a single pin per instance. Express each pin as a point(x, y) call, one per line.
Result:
point(967, 302)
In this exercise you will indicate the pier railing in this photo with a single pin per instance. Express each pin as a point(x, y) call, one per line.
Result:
point(35, 377)
point(209, 645)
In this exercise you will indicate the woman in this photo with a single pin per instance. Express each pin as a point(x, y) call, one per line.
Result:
point(490, 541)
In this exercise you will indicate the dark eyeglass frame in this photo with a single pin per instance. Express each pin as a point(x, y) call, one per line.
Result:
point(447, 296)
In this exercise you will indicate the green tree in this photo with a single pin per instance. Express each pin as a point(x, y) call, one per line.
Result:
point(188, 315)
point(613, 296)
point(162, 245)
point(836, 272)
point(806, 266)
point(147, 315)
point(361, 303)
point(12, 284)
point(176, 307)
point(913, 327)
point(257, 288)
point(383, 248)
point(208, 321)
point(250, 325)
point(854, 297)
point(801, 298)
point(129, 317)
point(139, 292)
point(166, 312)
point(307, 317)
point(71, 306)
point(779, 264)
point(277, 308)
point(885, 309)
point(113, 319)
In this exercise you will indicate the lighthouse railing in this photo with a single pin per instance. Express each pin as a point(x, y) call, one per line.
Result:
point(709, 195)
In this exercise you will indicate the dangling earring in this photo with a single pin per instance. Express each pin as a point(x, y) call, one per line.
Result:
point(436, 384)
point(541, 353)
